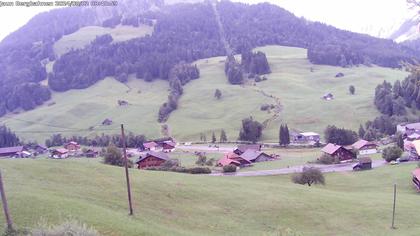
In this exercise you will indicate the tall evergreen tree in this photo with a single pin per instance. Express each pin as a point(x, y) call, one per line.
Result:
point(362, 131)
point(223, 137)
point(213, 138)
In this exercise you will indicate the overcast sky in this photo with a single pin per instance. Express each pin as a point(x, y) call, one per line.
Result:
point(355, 15)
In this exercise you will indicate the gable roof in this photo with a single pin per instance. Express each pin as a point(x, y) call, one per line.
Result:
point(149, 144)
point(170, 143)
point(224, 161)
point(61, 150)
point(7, 150)
point(416, 144)
point(331, 148)
point(365, 160)
point(251, 155)
point(243, 148)
point(159, 155)
point(361, 143)
point(416, 173)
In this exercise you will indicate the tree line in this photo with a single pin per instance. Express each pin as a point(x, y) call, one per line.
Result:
point(7, 137)
point(103, 140)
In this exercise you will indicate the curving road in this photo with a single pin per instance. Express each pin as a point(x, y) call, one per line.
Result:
point(294, 169)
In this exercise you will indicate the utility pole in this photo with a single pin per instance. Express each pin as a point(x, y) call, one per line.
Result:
point(126, 170)
point(5, 206)
point(393, 208)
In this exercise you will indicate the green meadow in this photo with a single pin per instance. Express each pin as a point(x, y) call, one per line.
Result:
point(358, 203)
point(294, 82)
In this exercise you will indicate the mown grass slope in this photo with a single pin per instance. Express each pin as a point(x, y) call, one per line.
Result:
point(179, 204)
point(86, 35)
point(82, 109)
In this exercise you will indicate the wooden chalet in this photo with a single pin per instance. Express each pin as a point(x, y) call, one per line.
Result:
point(152, 159)
point(90, 153)
point(365, 147)
point(150, 146)
point(416, 179)
point(168, 146)
point(233, 158)
point(339, 152)
point(365, 163)
point(11, 151)
point(304, 137)
point(59, 153)
point(72, 146)
point(256, 156)
point(242, 148)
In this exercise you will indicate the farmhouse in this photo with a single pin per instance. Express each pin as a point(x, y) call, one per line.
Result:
point(152, 159)
point(365, 147)
point(408, 129)
point(339, 152)
point(365, 163)
point(11, 151)
point(416, 178)
point(242, 148)
point(150, 146)
point(72, 146)
point(168, 146)
point(255, 156)
point(59, 153)
point(90, 153)
point(232, 158)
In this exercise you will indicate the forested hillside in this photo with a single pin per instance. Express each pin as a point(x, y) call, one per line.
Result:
point(182, 32)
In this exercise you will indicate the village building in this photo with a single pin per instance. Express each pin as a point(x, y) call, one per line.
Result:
point(59, 153)
point(328, 96)
point(91, 153)
point(72, 146)
point(414, 149)
point(304, 137)
point(365, 147)
point(339, 152)
point(409, 128)
point(12, 151)
point(168, 146)
point(416, 179)
point(242, 148)
point(256, 156)
point(365, 163)
point(152, 159)
point(150, 146)
point(240, 161)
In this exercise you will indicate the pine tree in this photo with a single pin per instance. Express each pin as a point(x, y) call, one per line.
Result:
point(223, 137)
point(286, 135)
point(213, 138)
point(400, 141)
point(281, 134)
point(284, 138)
point(362, 131)
point(352, 89)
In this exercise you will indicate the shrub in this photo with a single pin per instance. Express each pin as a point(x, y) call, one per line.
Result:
point(229, 168)
point(201, 161)
point(391, 153)
point(199, 170)
point(327, 160)
point(309, 176)
point(210, 162)
point(67, 228)
point(170, 163)
point(114, 157)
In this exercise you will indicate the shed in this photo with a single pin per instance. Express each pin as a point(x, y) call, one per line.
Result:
point(365, 163)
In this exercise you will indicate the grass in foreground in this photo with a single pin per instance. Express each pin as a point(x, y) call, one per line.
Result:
point(178, 204)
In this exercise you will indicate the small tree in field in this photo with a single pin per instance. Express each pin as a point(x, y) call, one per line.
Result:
point(223, 137)
point(391, 153)
point(218, 94)
point(352, 89)
point(309, 176)
point(114, 157)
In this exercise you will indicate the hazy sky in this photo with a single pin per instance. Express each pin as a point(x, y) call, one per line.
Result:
point(355, 15)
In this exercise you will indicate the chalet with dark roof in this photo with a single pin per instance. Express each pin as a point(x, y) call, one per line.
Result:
point(365, 163)
point(242, 148)
point(152, 159)
point(72, 146)
point(339, 152)
point(256, 156)
point(11, 151)
point(233, 158)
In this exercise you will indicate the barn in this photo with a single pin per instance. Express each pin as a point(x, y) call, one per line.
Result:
point(365, 163)
point(256, 156)
point(338, 151)
point(233, 158)
point(152, 159)
point(59, 153)
point(11, 151)
point(365, 147)
point(242, 148)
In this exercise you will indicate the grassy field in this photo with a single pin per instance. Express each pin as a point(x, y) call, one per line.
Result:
point(178, 204)
point(86, 35)
point(81, 109)
point(291, 82)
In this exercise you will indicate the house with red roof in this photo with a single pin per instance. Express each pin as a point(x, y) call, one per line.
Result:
point(150, 146)
point(72, 146)
point(168, 146)
point(59, 153)
point(365, 147)
point(233, 158)
point(339, 152)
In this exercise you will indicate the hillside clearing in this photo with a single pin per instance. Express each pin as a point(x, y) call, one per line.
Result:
point(180, 204)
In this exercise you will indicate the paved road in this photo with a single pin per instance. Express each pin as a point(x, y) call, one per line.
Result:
point(205, 148)
point(294, 169)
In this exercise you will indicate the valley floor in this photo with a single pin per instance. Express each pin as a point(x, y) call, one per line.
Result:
point(351, 203)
